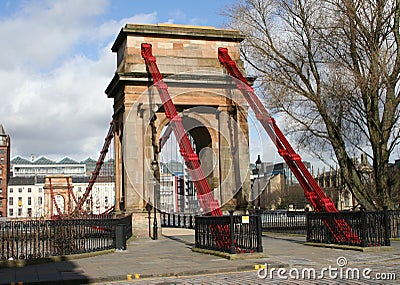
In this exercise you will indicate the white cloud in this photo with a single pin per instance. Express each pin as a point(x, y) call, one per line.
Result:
point(112, 27)
point(43, 31)
point(52, 99)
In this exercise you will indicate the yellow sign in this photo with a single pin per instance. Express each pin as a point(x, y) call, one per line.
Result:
point(245, 219)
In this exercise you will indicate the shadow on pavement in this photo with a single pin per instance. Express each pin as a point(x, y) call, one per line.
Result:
point(44, 271)
point(295, 239)
point(181, 240)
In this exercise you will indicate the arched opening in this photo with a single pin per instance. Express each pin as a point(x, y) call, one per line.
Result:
point(177, 191)
point(60, 203)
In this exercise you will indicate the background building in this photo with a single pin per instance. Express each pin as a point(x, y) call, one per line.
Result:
point(28, 194)
point(4, 170)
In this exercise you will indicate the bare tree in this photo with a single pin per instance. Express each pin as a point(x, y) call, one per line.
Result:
point(332, 67)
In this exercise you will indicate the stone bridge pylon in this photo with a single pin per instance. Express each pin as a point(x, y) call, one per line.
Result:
point(203, 94)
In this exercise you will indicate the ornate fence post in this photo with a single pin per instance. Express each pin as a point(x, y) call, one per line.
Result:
point(364, 241)
point(232, 248)
point(164, 219)
point(386, 226)
point(259, 232)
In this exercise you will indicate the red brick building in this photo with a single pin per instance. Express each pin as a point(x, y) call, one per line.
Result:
point(4, 170)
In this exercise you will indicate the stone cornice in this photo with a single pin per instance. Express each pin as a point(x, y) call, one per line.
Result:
point(177, 31)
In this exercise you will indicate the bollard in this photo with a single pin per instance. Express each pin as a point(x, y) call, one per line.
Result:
point(120, 242)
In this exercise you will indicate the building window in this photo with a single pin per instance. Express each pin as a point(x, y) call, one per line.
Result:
point(1, 190)
point(10, 212)
point(10, 201)
point(29, 201)
point(347, 199)
point(29, 190)
point(1, 213)
point(1, 171)
point(1, 202)
point(40, 190)
point(11, 190)
point(1, 181)
point(19, 190)
point(106, 200)
point(19, 211)
point(29, 212)
point(40, 200)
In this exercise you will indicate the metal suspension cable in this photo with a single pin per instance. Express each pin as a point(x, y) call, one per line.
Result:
point(97, 169)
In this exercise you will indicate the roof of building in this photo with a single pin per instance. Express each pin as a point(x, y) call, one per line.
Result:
point(67, 160)
point(21, 181)
point(20, 160)
point(80, 179)
point(44, 160)
point(89, 159)
point(2, 132)
point(30, 180)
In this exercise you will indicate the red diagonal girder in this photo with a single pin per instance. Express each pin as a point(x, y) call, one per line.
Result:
point(205, 196)
point(313, 192)
point(204, 191)
point(53, 198)
point(96, 172)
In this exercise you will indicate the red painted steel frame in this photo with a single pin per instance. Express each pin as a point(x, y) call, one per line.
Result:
point(96, 172)
point(321, 203)
point(209, 205)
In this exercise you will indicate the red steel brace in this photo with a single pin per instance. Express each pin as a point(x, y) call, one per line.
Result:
point(312, 191)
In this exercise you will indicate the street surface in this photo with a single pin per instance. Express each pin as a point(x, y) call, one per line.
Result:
point(371, 274)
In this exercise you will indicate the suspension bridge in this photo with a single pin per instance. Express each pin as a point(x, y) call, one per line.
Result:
point(147, 117)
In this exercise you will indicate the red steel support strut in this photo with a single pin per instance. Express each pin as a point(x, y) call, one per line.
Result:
point(209, 205)
point(96, 172)
point(205, 196)
point(321, 203)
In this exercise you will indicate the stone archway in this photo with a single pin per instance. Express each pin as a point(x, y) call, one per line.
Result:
point(187, 58)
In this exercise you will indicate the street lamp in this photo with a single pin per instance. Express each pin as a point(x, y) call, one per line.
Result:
point(258, 167)
point(154, 166)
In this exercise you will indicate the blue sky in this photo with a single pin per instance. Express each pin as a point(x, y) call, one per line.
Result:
point(56, 62)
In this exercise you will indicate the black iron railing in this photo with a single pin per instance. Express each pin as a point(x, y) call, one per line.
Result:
point(371, 228)
point(44, 238)
point(394, 223)
point(283, 222)
point(172, 220)
point(229, 233)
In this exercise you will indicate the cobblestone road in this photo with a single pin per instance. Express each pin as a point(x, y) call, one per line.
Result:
point(366, 274)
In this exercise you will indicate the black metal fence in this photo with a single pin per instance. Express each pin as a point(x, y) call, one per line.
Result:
point(394, 223)
point(283, 222)
point(231, 234)
point(170, 220)
point(368, 228)
point(44, 238)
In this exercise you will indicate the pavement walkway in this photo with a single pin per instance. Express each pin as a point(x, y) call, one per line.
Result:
point(171, 255)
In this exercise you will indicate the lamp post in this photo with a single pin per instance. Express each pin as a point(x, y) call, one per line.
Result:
point(258, 167)
point(154, 166)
